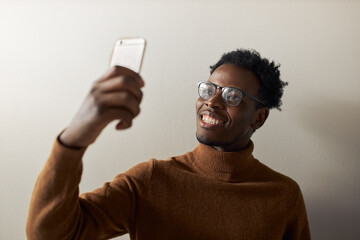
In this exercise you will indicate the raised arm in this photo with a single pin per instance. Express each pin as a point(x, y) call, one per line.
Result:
point(56, 210)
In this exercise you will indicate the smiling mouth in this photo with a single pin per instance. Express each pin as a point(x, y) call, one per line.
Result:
point(211, 121)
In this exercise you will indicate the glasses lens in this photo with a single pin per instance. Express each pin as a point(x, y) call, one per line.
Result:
point(232, 96)
point(206, 90)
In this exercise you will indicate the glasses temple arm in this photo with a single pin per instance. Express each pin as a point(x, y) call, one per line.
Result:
point(255, 98)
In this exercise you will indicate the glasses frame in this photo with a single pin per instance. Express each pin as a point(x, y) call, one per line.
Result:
point(224, 88)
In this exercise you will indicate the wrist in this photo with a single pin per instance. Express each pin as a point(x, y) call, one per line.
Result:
point(65, 140)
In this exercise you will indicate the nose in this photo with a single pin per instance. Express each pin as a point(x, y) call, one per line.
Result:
point(216, 101)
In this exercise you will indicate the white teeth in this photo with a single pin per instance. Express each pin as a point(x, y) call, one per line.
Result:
point(211, 120)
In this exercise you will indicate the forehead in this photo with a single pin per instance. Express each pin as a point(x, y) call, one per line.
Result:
point(230, 75)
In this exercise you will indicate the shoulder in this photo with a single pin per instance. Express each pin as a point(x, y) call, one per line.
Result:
point(137, 177)
point(271, 174)
point(142, 169)
point(177, 163)
point(279, 181)
point(145, 170)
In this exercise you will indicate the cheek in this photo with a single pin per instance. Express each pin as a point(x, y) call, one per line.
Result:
point(241, 118)
point(198, 104)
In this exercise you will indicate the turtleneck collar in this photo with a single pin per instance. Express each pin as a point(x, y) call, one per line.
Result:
point(223, 166)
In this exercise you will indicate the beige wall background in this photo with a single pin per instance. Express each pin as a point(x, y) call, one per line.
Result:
point(52, 51)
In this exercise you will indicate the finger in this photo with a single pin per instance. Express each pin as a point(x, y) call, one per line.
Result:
point(119, 100)
point(123, 125)
point(118, 71)
point(120, 84)
point(110, 72)
point(124, 116)
point(128, 72)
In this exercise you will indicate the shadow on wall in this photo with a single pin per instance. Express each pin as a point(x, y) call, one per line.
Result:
point(334, 212)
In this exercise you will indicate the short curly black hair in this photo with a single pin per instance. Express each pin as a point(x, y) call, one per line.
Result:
point(268, 74)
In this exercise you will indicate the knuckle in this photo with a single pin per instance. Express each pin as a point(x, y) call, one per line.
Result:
point(129, 114)
point(127, 96)
point(100, 102)
point(137, 110)
point(94, 88)
point(123, 114)
point(122, 80)
point(141, 95)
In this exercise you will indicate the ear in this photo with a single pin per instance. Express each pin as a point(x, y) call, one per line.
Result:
point(260, 117)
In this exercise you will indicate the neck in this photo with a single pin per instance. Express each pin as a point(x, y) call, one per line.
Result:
point(223, 165)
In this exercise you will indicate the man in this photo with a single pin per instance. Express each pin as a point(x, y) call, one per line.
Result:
point(217, 191)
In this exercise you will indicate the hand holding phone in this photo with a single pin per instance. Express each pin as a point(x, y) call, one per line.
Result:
point(115, 96)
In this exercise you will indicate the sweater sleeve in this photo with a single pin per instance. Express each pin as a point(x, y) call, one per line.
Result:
point(58, 212)
point(298, 225)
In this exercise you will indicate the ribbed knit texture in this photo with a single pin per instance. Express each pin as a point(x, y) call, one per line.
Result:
point(203, 194)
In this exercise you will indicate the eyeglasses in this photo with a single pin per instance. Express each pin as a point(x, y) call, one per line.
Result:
point(230, 95)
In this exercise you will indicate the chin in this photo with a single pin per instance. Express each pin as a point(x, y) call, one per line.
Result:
point(211, 142)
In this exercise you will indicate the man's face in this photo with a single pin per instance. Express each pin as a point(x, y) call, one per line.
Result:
point(224, 127)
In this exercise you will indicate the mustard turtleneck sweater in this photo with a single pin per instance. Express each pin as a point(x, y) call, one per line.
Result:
point(203, 194)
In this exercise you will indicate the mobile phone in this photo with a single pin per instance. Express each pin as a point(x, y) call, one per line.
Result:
point(129, 53)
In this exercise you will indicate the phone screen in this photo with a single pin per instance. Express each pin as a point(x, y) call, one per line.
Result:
point(128, 53)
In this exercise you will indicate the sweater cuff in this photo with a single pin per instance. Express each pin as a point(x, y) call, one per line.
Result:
point(67, 146)
point(63, 156)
